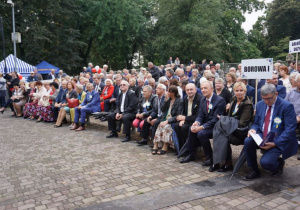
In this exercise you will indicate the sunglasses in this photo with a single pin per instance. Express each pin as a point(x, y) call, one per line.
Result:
point(123, 85)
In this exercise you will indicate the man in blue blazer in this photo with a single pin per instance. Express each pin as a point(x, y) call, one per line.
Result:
point(280, 88)
point(211, 106)
point(90, 104)
point(274, 115)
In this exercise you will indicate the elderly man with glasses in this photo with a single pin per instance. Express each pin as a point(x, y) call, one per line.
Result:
point(126, 112)
point(275, 120)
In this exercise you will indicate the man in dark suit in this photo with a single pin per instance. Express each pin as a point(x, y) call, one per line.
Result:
point(280, 88)
point(97, 83)
point(154, 71)
point(51, 75)
point(211, 106)
point(191, 104)
point(274, 115)
point(155, 115)
point(126, 111)
point(61, 98)
point(170, 61)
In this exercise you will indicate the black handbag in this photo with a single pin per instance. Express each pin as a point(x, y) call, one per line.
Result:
point(16, 100)
point(238, 136)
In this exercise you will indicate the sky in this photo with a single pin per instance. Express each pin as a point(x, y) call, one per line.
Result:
point(252, 18)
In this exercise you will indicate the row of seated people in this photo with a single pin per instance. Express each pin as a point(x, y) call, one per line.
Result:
point(162, 113)
point(197, 118)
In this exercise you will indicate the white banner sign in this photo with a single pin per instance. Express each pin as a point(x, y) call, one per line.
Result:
point(294, 46)
point(257, 68)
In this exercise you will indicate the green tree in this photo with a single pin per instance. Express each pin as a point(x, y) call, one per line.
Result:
point(283, 20)
point(121, 31)
point(235, 43)
point(187, 29)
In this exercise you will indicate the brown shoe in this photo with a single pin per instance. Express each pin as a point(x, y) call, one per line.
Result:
point(74, 127)
point(80, 128)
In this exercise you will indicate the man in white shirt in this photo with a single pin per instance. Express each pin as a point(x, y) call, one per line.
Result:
point(126, 110)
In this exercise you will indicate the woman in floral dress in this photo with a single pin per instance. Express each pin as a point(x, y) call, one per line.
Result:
point(170, 108)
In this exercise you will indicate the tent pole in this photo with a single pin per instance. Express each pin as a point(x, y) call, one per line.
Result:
point(3, 44)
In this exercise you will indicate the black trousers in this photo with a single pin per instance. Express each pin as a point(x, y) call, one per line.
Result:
point(9, 103)
point(203, 137)
point(146, 129)
point(182, 133)
point(127, 120)
point(55, 112)
point(108, 105)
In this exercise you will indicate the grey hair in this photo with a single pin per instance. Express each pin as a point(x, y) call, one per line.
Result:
point(209, 82)
point(79, 87)
point(171, 71)
point(195, 70)
point(162, 79)
point(162, 86)
point(148, 87)
point(124, 81)
point(267, 89)
point(109, 80)
point(140, 79)
point(150, 63)
point(296, 75)
point(220, 80)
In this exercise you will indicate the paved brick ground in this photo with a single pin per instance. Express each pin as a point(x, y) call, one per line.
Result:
point(43, 167)
point(245, 199)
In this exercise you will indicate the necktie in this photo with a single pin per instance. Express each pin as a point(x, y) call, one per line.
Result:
point(159, 110)
point(207, 101)
point(267, 122)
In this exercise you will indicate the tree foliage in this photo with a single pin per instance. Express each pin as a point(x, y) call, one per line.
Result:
point(71, 33)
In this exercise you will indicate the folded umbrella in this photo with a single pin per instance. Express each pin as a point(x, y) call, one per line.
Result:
point(241, 160)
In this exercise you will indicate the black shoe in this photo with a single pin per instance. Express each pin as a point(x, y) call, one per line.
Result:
point(298, 157)
point(251, 175)
point(142, 142)
point(112, 134)
point(208, 162)
point(103, 119)
point(188, 159)
point(225, 168)
point(280, 168)
point(126, 139)
point(213, 168)
point(98, 117)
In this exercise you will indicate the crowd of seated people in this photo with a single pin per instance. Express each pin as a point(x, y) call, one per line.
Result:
point(163, 103)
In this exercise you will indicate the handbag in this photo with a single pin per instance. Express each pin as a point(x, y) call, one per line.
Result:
point(16, 100)
point(73, 102)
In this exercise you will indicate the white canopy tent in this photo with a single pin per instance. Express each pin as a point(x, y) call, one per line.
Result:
point(21, 66)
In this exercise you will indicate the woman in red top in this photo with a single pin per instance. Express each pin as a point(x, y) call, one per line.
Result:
point(107, 92)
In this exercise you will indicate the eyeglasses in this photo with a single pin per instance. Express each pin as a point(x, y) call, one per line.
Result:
point(123, 85)
point(268, 99)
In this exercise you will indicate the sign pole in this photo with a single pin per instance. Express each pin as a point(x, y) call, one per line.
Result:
point(297, 62)
point(256, 83)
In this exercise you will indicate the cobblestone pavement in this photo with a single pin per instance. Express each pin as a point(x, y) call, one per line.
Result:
point(42, 167)
point(245, 199)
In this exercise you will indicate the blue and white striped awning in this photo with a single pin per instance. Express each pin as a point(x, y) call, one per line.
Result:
point(21, 66)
